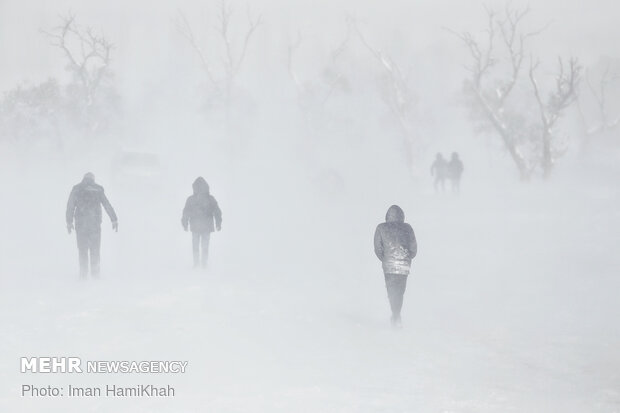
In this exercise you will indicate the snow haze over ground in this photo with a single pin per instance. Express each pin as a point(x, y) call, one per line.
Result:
point(512, 302)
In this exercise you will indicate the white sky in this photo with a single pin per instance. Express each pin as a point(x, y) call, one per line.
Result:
point(144, 34)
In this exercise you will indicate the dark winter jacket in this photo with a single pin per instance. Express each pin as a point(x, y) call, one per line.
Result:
point(395, 243)
point(85, 203)
point(201, 209)
point(439, 168)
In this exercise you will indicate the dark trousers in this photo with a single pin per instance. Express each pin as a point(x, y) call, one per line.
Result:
point(89, 243)
point(200, 243)
point(396, 285)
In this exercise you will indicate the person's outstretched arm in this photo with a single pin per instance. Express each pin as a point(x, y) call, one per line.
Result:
point(109, 210)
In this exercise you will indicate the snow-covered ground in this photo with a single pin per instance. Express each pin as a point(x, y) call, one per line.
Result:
point(512, 305)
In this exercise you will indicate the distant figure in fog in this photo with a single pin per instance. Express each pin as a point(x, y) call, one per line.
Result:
point(84, 207)
point(395, 246)
point(455, 169)
point(200, 211)
point(439, 169)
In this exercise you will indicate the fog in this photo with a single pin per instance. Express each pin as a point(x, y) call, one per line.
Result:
point(511, 304)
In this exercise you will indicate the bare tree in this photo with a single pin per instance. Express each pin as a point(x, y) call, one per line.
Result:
point(530, 146)
point(88, 56)
point(600, 91)
point(562, 96)
point(399, 96)
point(231, 61)
point(314, 93)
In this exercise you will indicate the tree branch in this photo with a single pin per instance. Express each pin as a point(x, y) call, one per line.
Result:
point(186, 31)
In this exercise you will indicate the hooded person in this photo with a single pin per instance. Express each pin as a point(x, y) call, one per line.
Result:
point(84, 208)
point(201, 216)
point(395, 246)
point(439, 170)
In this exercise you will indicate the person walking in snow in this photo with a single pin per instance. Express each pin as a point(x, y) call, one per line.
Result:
point(84, 207)
point(455, 170)
point(439, 170)
point(395, 246)
point(200, 212)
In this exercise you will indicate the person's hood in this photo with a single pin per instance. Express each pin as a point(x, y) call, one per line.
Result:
point(200, 186)
point(89, 178)
point(395, 214)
